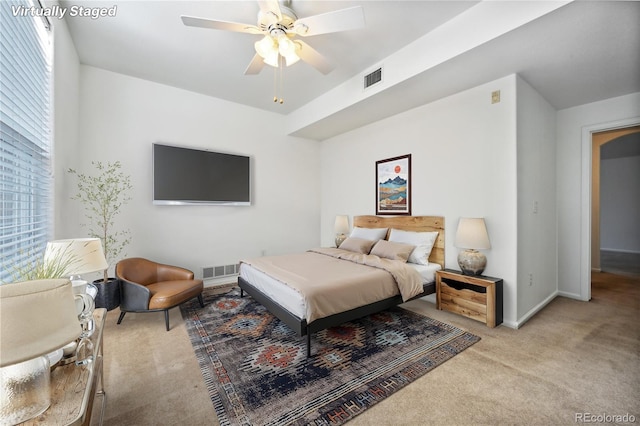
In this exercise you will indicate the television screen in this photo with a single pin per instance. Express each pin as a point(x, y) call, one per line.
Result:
point(192, 176)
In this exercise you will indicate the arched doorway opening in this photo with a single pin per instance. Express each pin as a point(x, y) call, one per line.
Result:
point(615, 200)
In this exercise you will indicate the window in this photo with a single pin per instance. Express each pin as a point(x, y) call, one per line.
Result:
point(25, 135)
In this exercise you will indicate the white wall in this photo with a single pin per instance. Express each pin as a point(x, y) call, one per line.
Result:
point(620, 204)
point(66, 115)
point(573, 184)
point(463, 164)
point(120, 117)
point(537, 265)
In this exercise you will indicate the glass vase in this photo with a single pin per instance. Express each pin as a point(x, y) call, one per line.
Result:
point(24, 390)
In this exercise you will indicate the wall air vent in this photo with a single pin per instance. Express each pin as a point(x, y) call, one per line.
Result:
point(373, 78)
point(209, 272)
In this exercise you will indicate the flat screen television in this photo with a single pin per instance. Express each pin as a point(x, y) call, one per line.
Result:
point(194, 176)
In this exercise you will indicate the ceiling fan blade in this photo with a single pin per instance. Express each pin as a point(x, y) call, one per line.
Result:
point(255, 66)
point(340, 20)
point(273, 6)
point(311, 56)
point(192, 21)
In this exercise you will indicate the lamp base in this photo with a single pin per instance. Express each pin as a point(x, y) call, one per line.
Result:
point(340, 239)
point(472, 262)
point(24, 390)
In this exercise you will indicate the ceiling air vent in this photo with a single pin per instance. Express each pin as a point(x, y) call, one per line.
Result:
point(373, 78)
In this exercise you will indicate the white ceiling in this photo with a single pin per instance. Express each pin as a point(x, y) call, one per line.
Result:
point(580, 53)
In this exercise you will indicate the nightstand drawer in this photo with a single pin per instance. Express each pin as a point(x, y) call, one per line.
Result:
point(475, 297)
point(465, 302)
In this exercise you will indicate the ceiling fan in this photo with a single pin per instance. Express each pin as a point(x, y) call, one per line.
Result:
point(279, 25)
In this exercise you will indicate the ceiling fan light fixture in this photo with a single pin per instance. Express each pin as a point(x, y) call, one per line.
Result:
point(266, 47)
point(276, 21)
point(286, 46)
point(292, 58)
point(272, 59)
point(292, 55)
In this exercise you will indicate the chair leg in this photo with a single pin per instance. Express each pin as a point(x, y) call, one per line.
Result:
point(166, 318)
point(121, 317)
point(200, 300)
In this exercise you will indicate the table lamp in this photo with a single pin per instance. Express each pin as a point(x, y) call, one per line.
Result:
point(472, 236)
point(341, 228)
point(81, 256)
point(36, 318)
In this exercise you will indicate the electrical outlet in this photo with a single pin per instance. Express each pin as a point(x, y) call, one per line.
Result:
point(535, 206)
point(495, 97)
point(530, 279)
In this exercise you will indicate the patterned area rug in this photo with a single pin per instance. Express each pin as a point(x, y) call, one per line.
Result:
point(257, 373)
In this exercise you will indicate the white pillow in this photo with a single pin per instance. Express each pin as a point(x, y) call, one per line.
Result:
point(423, 241)
point(374, 234)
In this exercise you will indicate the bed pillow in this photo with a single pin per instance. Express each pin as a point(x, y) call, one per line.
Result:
point(423, 241)
point(374, 234)
point(391, 250)
point(357, 245)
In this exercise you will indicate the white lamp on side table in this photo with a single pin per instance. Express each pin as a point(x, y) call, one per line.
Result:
point(341, 228)
point(472, 236)
point(81, 256)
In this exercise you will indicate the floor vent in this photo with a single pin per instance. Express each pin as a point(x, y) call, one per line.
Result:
point(373, 78)
point(219, 271)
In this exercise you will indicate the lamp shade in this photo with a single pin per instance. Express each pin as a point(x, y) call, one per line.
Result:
point(36, 317)
point(81, 255)
point(472, 234)
point(266, 46)
point(342, 224)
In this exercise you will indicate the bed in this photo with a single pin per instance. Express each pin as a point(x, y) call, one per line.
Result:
point(286, 303)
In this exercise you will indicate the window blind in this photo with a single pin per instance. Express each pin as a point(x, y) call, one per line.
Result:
point(25, 136)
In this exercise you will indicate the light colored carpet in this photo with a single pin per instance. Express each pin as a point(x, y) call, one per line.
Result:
point(572, 357)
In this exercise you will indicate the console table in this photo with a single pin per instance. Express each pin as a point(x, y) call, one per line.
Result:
point(77, 395)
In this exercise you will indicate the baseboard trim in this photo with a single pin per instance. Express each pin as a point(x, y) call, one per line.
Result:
point(526, 317)
point(221, 282)
point(572, 296)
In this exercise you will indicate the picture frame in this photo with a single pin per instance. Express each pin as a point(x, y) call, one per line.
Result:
point(393, 186)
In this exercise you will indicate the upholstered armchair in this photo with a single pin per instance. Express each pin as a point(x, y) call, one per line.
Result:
point(147, 286)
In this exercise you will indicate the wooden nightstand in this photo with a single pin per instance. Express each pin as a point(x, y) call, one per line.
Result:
point(477, 297)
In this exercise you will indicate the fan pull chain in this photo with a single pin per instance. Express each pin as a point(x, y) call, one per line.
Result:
point(275, 81)
point(281, 67)
point(275, 85)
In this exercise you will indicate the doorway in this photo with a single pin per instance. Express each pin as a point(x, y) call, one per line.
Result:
point(615, 203)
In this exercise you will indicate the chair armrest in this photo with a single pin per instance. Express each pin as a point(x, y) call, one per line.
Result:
point(173, 273)
point(134, 297)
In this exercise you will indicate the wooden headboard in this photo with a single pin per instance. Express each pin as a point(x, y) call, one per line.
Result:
point(409, 223)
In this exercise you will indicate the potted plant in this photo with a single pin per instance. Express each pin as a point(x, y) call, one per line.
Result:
point(102, 195)
point(36, 268)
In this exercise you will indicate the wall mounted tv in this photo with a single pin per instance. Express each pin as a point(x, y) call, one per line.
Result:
point(193, 176)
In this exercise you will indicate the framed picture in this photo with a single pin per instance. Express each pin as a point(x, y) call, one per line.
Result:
point(393, 186)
